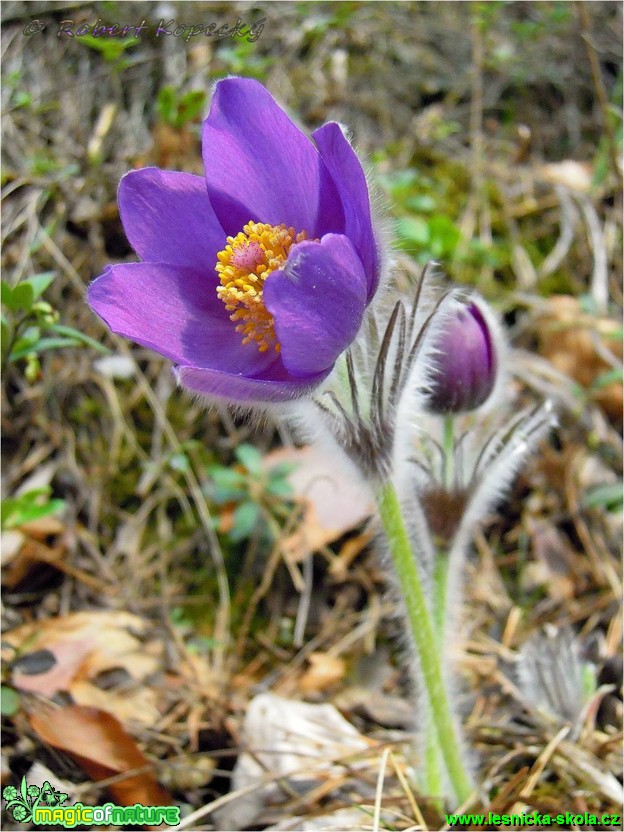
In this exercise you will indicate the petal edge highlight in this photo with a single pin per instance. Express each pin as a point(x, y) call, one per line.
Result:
point(346, 170)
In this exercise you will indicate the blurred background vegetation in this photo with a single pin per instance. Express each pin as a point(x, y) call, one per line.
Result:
point(493, 132)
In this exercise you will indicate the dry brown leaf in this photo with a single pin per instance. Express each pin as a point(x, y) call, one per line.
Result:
point(176, 148)
point(324, 671)
point(103, 748)
point(334, 502)
point(85, 646)
point(43, 527)
point(576, 344)
point(349, 551)
point(25, 549)
point(30, 557)
point(29, 548)
point(225, 518)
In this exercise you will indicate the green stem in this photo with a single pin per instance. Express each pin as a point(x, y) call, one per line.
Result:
point(424, 637)
point(433, 778)
point(448, 444)
point(440, 575)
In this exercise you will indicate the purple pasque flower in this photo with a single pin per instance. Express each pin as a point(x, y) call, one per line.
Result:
point(255, 279)
point(466, 362)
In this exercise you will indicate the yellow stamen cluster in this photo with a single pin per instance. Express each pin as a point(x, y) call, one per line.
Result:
point(243, 266)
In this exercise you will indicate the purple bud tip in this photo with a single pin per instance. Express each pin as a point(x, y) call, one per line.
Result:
point(465, 370)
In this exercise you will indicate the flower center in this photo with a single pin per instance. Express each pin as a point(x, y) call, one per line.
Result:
point(243, 266)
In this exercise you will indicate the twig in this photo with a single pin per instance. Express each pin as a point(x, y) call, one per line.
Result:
point(541, 762)
point(379, 789)
point(600, 276)
point(304, 602)
point(418, 817)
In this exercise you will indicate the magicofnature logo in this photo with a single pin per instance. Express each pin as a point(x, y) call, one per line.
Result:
point(22, 802)
point(45, 806)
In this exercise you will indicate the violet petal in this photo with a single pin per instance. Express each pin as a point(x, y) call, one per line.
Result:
point(261, 167)
point(346, 170)
point(466, 363)
point(317, 300)
point(176, 312)
point(275, 385)
point(168, 218)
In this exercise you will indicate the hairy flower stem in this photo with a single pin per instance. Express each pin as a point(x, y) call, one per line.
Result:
point(449, 452)
point(440, 579)
point(433, 776)
point(424, 637)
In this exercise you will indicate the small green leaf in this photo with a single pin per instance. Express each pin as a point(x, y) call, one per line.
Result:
point(7, 294)
point(279, 487)
point(166, 105)
point(608, 497)
point(227, 484)
point(30, 506)
point(22, 298)
point(444, 235)
point(244, 521)
point(588, 680)
point(422, 203)
point(10, 701)
point(34, 513)
point(250, 457)
point(191, 104)
point(615, 334)
point(282, 469)
point(70, 332)
point(25, 342)
point(22, 99)
point(111, 50)
point(42, 345)
point(201, 644)
point(40, 282)
point(6, 335)
point(226, 477)
point(613, 376)
point(414, 230)
point(179, 462)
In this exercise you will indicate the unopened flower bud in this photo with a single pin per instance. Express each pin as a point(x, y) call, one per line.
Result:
point(466, 363)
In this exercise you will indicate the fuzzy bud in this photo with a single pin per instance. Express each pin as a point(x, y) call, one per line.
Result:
point(466, 363)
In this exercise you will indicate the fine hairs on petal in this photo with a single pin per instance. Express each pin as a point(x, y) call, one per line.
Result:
point(550, 672)
point(381, 218)
point(514, 443)
point(416, 386)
